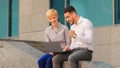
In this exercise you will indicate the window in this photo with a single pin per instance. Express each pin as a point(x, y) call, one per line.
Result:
point(9, 12)
point(117, 11)
point(59, 6)
point(4, 18)
point(100, 13)
point(15, 18)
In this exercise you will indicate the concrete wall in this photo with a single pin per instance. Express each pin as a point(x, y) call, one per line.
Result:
point(32, 19)
point(107, 45)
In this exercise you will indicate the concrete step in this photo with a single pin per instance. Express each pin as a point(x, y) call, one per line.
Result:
point(29, 47)
point(90, 64)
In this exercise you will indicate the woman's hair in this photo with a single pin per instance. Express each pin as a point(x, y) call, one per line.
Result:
point(51, 12)
point(69, 9)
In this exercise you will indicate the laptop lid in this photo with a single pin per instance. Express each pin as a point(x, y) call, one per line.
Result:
point(52, 46)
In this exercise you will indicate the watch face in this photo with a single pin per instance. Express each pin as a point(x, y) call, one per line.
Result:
point(74, 36)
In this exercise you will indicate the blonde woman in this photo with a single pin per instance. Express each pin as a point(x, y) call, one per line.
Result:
point(55, 32)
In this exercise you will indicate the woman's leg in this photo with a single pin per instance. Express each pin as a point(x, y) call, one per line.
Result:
point(49, 62)
point(42, 60)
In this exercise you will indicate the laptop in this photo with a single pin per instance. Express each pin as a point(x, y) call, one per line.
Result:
point(52, 47)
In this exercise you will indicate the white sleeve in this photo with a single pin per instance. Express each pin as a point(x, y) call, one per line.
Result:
point(88, 33)
point(88, 36)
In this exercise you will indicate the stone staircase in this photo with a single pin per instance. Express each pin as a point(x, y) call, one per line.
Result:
point(34, 49)
point(90, 64)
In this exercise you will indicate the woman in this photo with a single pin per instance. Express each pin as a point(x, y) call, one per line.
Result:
point(55, 32)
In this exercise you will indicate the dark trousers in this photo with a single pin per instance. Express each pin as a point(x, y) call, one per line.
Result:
point(72, 57)
point(45, 61)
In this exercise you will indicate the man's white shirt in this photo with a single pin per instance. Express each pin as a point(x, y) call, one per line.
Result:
point(84, 34)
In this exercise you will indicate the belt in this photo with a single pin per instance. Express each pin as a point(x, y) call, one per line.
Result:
point(90, 50)
point(75, 49)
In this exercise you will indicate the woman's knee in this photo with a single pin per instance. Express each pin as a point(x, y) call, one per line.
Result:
point(44, 58)
point(40, 61)
point(49, 60)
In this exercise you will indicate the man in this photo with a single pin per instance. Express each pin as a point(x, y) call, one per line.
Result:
point(81, 34)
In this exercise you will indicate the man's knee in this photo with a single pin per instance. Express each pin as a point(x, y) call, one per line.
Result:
point(56, 59)
point(72, 58)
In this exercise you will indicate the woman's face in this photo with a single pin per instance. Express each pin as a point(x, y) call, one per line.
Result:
point(53, 19)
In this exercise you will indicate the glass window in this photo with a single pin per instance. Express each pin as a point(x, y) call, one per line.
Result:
point(100, 13)
point(9, 12)
point(15, 18)
point(4, 18)
point(59, 6)
point(117, 11)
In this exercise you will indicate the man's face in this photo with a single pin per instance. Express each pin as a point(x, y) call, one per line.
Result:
point(69, 17)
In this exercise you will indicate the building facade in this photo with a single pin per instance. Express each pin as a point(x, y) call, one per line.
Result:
point(26, 20)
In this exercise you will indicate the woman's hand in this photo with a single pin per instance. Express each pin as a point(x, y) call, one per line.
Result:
point(51, 53)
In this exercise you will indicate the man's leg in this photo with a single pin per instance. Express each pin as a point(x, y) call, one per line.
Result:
point(78, 56)
point(59, 59)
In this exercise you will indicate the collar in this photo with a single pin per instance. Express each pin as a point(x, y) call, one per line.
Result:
point(79, 21)
point(59, 24)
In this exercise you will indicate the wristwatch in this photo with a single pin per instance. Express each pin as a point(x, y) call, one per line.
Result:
point(74, 36)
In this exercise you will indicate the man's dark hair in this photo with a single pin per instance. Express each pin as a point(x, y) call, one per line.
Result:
point(69, 9)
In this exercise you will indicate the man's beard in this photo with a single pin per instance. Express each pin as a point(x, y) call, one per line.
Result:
point(72, 22)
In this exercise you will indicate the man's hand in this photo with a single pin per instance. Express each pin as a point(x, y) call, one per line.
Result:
point(66, 48)
point(72, 33)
